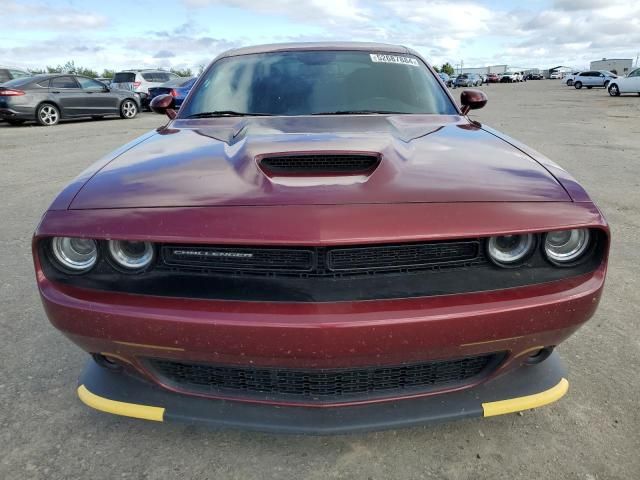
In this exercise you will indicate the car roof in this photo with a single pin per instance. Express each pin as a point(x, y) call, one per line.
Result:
point(302, 46)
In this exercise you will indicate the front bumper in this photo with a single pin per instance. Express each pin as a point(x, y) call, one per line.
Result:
point(522, 389)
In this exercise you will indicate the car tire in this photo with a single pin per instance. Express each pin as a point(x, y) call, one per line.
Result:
point(569, 83)
point(578, 85)
point(128, 109)
point(48, 115)
point(614, 91)
point(15, 122)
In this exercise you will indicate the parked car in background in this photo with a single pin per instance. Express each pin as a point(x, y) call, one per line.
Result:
point(9, 73)
point(49, 98)
point(493, 78)
point(555, 75)
point(448, 81)
point(535, 76)
point(628, 84)
point(468, 80)
point(140, 81)
point(510, 77)
point(569, 78)
point(483, 77)
point(593, 78)
point(178, 88)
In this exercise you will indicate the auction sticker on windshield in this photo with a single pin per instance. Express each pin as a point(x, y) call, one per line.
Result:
point(384, 58)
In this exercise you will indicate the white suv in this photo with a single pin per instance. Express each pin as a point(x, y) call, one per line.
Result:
point(140, 80)
point(510, 77)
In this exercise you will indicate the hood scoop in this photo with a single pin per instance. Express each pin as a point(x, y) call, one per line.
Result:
point(318, 164)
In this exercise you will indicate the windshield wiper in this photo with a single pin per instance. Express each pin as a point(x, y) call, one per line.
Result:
point(360, 112)
point(226, 113)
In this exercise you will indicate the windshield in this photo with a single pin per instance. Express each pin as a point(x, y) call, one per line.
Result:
point(315, 82)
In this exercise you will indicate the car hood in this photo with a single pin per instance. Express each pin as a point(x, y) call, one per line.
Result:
point(424, 159)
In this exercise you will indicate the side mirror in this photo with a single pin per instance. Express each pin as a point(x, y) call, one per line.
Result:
point(163, 104)
point(106, 89)
point(472, 100)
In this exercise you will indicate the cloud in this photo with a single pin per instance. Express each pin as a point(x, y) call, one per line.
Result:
point(537, 34)
point(315, 11)
point(164, 54)
point(42, 16)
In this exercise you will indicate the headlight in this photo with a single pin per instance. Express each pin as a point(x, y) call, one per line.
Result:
point(131, 255)
point(566, 246)
point(510, 249)
point(77, 254)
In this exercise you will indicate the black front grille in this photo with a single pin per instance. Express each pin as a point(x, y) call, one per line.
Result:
point(323, 261)
point(240, 259)
point(322, 164)
point(319, 385)
point(398, 256)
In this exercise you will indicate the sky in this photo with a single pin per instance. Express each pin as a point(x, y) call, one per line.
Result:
point(117, 34)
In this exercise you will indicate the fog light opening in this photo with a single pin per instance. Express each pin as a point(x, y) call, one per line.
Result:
point(539, 356)
point(106, 362)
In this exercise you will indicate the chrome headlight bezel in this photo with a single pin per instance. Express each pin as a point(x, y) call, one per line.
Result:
point(126, 261)
point(581, 239)
point(523, 250)
point(70, 258)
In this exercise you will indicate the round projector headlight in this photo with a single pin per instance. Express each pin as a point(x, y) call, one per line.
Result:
point(510, 249)
point(131, 255)
point(76, 254)
point(566, 246)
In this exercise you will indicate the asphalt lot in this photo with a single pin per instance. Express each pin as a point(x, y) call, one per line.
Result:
point(593, 433)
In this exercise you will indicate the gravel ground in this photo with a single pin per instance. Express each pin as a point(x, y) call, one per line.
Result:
point(593, 433)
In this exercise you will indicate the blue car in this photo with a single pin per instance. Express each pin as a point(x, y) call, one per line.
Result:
point(178, 88)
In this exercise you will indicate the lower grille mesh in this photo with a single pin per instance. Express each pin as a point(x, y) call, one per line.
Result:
point(321, 384)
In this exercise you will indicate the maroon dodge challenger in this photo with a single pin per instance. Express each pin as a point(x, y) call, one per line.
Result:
point(320, 241)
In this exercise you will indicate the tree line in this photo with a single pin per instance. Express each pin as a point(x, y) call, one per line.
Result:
point(70, 67)
point(445, 68)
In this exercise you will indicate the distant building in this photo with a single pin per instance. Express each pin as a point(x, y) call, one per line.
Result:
point(619, 66)
point(491, 69)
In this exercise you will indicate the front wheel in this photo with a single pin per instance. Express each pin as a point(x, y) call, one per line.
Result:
point(128, 109)
point(578, 85)
point(48, 115)
point(614, 91)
